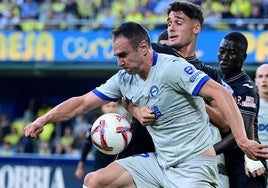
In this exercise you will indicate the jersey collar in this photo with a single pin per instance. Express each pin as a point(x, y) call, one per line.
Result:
point(155, 56)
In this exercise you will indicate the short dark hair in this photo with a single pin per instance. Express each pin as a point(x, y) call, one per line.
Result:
point(238, 37)
point(132, 31)
point(191, 10)
point(163, 35)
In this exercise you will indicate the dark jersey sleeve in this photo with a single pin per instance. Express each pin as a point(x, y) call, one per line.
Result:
point(163, 48)
point(86, 147)
point(211, 72)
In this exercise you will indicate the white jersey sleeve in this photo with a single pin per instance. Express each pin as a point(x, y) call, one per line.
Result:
point(185, 76)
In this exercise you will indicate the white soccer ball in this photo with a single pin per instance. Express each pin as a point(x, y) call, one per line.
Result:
point(111, 133)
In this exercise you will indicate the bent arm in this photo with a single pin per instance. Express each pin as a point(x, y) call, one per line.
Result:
point(216, 119)
point(143, 114)
point(227, 106)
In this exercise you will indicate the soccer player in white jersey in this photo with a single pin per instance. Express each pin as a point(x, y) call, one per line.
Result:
point(261, 80)
point(184, 154)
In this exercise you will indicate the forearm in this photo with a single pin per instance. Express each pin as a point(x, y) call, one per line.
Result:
point(225, 144)
point(86, 147)
point(71, 108)
point(62, 112)
point(130, 107)
point(230, 111)
point(228, 140)
point(227, 107)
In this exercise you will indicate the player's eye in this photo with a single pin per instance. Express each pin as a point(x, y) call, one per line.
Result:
point(122, 55)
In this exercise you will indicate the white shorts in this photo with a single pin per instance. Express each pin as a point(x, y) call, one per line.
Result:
point(200, 172)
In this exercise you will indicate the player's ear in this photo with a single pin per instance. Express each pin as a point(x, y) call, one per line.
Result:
point(197, 28)
point(144, 46)
point(245, 57)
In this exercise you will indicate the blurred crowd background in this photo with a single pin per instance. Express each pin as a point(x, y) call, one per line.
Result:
point(35, 15)
point(30, 15)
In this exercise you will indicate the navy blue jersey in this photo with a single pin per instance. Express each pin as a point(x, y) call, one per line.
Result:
point(247, 97)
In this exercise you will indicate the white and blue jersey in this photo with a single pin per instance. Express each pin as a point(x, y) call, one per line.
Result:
point(181, 129)
point(263, 121)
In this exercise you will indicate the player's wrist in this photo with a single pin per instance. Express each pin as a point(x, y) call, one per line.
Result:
point(40, 121)
point(242, 141)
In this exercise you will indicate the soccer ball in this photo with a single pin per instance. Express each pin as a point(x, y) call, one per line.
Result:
point(111, 133)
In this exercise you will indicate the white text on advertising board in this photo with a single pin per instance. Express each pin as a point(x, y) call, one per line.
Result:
point(20, 176)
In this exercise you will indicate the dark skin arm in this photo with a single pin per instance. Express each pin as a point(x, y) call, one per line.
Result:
point(216, 119)
point(228, 141)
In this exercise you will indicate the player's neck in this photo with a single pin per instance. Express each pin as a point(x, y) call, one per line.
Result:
point(264, 96)
point(187, 51)
point(146, 66)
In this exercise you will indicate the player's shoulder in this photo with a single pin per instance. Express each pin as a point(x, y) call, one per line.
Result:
point(211, 72)
point(165, 49)
point(209, 68)
point(172, 61)
point(246, 82)
point(122, 78)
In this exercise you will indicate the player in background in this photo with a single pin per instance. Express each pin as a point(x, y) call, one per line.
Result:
point(101, 159)
point(232, 54)
point(261, 80)
point(170, 91)
point(163, 37)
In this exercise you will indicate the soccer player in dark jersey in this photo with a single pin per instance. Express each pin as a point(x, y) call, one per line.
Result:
point(231, 55)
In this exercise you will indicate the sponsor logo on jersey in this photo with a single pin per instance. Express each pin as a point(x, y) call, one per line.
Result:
point(263, 127)
point(247, 85)
point(191, 71)
point(248, 102)
point(157, 112)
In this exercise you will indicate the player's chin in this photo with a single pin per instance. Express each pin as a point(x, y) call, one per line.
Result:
point(129, 71)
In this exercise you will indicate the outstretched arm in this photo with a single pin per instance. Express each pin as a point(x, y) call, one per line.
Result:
point(63, 112)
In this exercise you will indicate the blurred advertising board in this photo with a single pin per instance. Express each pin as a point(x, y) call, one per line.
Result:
point(96, 46)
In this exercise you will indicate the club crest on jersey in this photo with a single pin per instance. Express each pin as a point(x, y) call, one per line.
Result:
point(154, 91)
